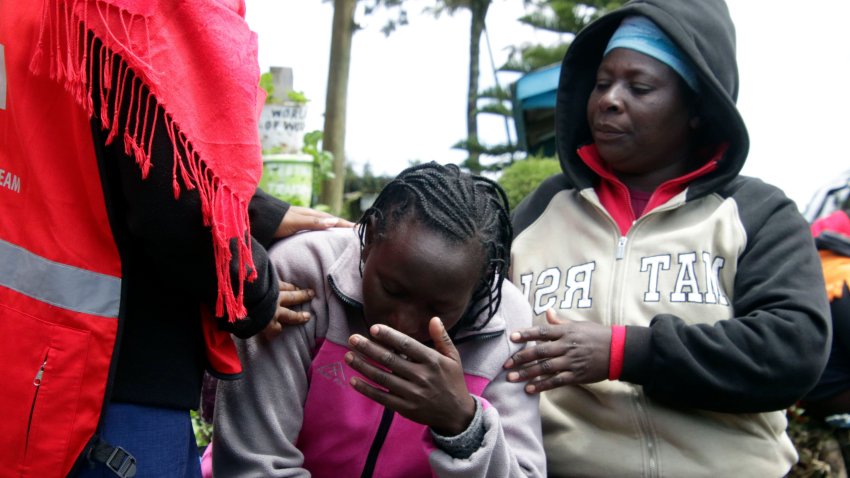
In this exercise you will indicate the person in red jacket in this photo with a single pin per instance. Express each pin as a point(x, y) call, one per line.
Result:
point(132, 238)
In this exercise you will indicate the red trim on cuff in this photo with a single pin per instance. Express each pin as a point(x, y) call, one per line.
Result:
point(618, 349)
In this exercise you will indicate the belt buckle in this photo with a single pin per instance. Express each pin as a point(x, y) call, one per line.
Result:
point(121, 463)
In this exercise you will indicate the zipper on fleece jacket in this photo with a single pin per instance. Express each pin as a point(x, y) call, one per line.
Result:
point(643, 421)
point(621, 248)
point(377, 443)
point(344, 298)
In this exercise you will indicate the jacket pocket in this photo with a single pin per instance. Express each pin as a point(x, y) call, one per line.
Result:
point(40, 400)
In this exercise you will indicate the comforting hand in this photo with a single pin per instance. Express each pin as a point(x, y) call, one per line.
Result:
point(422, 384)
point(299, 218)
point(288, 296)
point(567, 352)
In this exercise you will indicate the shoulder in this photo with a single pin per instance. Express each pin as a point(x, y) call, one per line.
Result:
point(484, 352)
point(764, 208)
point(514, 307)
point(305, 258)
point(316, 244)
point(534, 205)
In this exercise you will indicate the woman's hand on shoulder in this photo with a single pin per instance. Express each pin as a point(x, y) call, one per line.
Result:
point(288, 296)
point(299, 218)
point(565, 352)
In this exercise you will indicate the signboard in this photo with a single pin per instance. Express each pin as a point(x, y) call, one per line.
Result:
point(282, 127)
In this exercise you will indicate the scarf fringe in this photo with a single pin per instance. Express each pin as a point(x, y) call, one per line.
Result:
point(65, 46)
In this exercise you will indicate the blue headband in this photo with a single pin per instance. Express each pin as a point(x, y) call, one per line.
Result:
point(642, 35)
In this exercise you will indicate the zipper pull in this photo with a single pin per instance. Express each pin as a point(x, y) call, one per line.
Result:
point(621, 248)
point(37, 380)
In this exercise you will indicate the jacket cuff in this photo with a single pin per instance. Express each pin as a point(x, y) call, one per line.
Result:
point(464, 445)
point(618, 345)
point(265, 213)
point(637, 354)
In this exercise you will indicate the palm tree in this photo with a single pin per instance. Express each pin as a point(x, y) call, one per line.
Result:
point(478, 10)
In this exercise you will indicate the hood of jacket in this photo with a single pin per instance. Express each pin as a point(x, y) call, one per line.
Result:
point(704, 31)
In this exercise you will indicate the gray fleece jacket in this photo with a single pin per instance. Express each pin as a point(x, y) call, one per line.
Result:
point(295, 414)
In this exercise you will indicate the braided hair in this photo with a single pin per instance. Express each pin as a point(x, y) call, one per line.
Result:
point(461, 207)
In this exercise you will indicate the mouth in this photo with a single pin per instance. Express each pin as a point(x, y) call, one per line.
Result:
point(606, 132)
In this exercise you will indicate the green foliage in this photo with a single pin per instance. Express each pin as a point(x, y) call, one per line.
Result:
point(528, 58)
point(501, 155)
point(523, 177)
point(560, 16)
point(323, 161)
point(266, 83)
point(372, 6)
point(361, 189)
point(495, 93)
point(203, 430)
point(366, 182)
point(297, 97)
point(567, 16)
point(499, 109)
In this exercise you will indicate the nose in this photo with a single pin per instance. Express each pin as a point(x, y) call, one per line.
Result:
point(611, 99)
point(411, 321)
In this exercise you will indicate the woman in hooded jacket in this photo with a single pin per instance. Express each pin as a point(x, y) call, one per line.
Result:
point(679, 306)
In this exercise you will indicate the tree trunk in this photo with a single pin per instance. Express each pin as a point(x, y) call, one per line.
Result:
point(478, 8)
point(333, 139)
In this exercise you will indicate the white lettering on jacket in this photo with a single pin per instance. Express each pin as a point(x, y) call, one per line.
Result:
point(576, 284)
point(10, 181)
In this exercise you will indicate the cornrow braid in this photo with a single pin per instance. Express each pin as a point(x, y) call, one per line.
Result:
point(461, 207)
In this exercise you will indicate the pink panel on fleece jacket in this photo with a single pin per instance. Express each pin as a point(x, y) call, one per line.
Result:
point(340, 425)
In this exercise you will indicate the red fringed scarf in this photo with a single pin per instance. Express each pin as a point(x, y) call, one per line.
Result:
point(198, 61)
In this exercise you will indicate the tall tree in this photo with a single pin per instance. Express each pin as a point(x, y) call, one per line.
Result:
point(478, 10)
point(336, 99)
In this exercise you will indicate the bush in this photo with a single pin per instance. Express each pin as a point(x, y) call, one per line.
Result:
point(522, 177)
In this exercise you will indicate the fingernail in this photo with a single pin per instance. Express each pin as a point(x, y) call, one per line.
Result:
point(513, 376)
point(509, 364)
point(529, 388)
point(354, 339)
point(516, 336)
point(305, 315)
point(375, 330)
point(311, 293)
point(329, 221)
point(349, 357)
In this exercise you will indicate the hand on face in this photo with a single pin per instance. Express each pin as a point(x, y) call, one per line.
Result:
point(288, 296)
point(567, 352)
point(422, 384)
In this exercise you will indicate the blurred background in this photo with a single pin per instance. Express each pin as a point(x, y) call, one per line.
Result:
point(408, 83)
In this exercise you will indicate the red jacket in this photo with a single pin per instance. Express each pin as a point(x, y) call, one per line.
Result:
point(60, 285)
point(67, 288)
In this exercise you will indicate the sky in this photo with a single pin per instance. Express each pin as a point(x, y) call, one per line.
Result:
point(407, 92)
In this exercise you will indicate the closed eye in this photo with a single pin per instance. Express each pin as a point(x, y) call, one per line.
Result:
point(391, 291)
point(640, 88)
point(602, 85)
